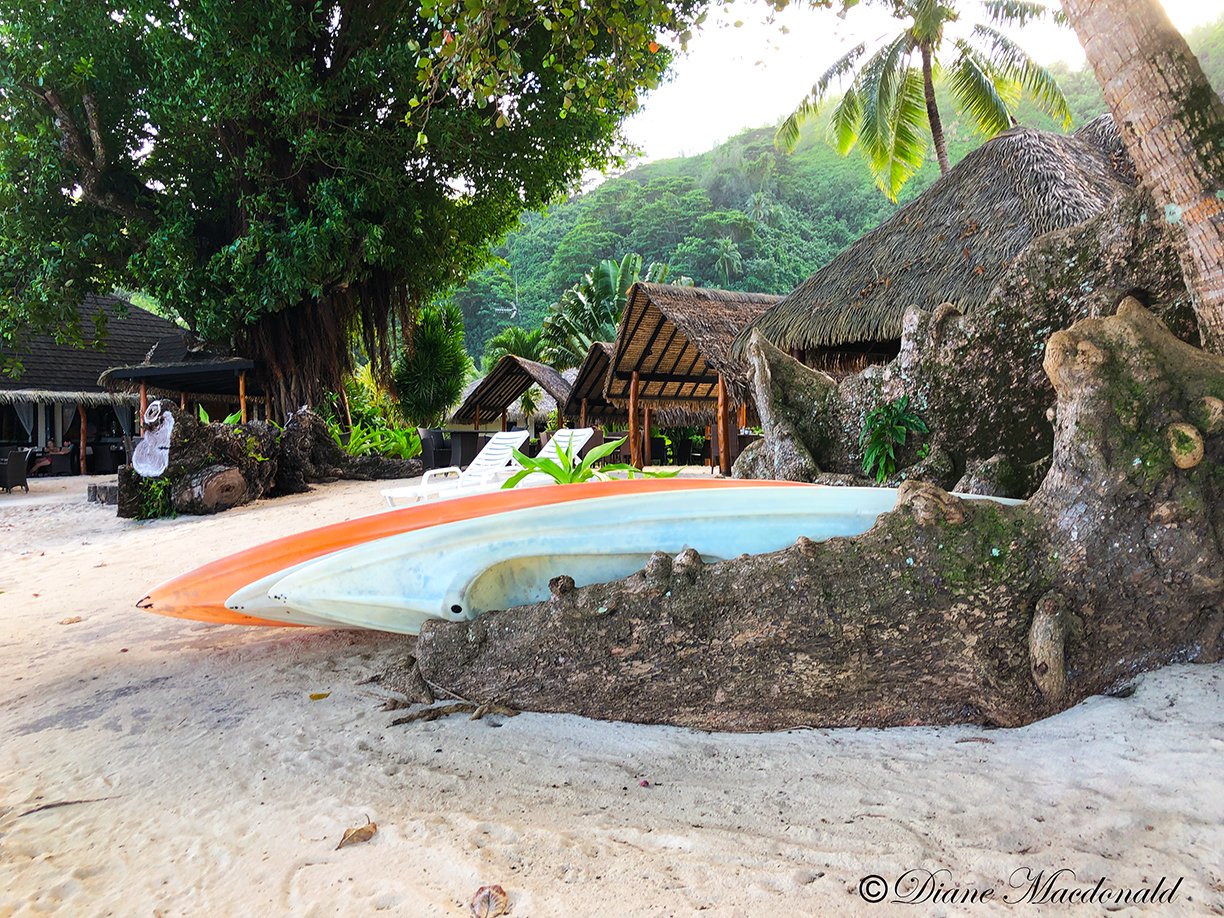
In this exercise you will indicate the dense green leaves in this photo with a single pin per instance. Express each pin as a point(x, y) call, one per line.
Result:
point(513, 340)
point(279, 174)
point(429, 377)
point(885, 430)
point(591, 309)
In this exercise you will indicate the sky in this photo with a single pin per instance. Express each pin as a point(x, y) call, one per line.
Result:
point(733, 78)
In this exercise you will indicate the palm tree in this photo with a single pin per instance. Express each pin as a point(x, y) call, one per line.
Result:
point(430, 375)
point(1172, 124)
point(513, 340)
point(590, 310)
point(882, 109)
point(727, 258)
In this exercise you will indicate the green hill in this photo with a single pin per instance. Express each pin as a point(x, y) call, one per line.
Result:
point(788, 214)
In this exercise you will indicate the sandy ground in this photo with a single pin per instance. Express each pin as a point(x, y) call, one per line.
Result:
point(199, 777)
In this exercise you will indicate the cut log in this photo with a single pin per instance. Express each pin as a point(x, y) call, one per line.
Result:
point(211, 490)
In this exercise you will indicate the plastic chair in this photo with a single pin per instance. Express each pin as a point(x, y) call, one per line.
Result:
point(486, 471)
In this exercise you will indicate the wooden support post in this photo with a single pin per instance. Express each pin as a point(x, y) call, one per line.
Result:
point(84, 429)
point(743, 415)
point(724, 429)
point(476, 419)
point(505, 421)
point(582, 413)
point(635, 444)
point(144, 403)
point(242, 406)
point(646, 456)
point(183, 402)
point(268, 407)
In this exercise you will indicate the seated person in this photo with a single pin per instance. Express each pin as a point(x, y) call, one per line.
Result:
point(44, 460)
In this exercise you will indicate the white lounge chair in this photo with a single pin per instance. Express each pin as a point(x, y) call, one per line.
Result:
point(572, 439)
point(492, 465)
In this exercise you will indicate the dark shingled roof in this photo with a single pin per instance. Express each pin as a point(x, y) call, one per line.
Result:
point(52, 367)
point(678, 339)
point(952, 242)
point(504, 384)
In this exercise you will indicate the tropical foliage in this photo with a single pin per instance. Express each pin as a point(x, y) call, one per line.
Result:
point(885, 430)
point(371, 440)
point(430, 375)
point(890, 101)
point(569, 469)
point(674, 211)
point(279, 173)
point(513, 340)
point(591, 309)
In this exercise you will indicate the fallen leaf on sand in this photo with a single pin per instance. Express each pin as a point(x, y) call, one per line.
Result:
point(358, 835)
point(976, 739)
point(318, 696)
point(489, 902)
point(71, 621)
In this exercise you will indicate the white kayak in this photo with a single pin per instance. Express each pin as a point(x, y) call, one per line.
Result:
point(457, 571)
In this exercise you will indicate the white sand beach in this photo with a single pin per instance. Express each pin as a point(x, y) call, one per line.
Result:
point(198, 777)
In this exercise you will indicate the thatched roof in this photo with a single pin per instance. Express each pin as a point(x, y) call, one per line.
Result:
point(589, 384)
point(678, 340)
point(505, 384)
point(67, 397)
point(952, 243)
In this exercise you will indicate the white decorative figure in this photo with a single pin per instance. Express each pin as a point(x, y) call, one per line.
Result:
point(152, 454)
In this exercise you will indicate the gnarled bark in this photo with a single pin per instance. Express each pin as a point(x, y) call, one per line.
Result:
point(213, 467)
point(946, 611)
point(976, 378)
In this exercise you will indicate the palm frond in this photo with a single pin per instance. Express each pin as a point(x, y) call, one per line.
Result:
point(1015, 12)
point(1014, 62)
point(845, 121)
point(892, 125)
point(973, 86)
point(877, 85)
point(907, 144)
point(787, 135)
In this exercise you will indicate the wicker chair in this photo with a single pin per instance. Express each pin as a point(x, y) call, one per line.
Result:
point(13, 471)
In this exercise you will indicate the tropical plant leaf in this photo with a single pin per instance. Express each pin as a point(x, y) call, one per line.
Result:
point(906, 145)
point(1015, 12)
point(974, 88)
point(845, 121)
point(787, 135)
point(1014, 62)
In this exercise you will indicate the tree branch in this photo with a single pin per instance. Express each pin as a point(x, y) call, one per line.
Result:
point(92, 168)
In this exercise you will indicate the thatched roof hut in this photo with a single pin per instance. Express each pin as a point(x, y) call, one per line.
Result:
point(952, 242)
point(505, 384)
point(586, 399)
point(678, 341)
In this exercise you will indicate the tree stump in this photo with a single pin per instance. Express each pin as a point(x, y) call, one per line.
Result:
point(211, 490)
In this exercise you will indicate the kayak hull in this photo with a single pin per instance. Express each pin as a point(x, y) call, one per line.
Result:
point(459, 570)
point(201, 594)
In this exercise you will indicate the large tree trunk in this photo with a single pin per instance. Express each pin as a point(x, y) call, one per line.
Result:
point(932, 108)
point(1172, 123)
point(947, 611)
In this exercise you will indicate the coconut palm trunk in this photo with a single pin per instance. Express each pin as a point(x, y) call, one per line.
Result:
point(1173, 126)
point(936, 123)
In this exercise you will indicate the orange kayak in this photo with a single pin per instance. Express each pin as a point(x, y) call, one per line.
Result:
point(200, 594)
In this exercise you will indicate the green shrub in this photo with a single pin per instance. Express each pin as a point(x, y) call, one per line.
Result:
point(884, 430)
